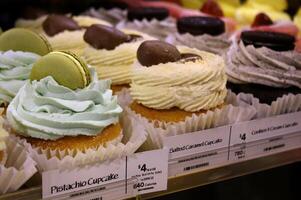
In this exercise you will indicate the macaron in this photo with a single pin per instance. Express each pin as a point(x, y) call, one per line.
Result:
point(20, 39)
point(66, 69)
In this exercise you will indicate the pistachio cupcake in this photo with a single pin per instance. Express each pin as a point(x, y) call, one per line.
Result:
point(112, 52)
point(59, 113)
point(19, 50)
point(172, 83)
point(66, 33)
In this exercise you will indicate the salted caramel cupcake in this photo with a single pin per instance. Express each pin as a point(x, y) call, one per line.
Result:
point(59, 113)
point(203, 33)
point(66, 33)
point(112, 52)
point(172, 83)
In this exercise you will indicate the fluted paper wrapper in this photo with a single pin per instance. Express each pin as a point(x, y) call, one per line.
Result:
point(133, 137)
point(286, 104)
point(234, 111)
point(18, 169)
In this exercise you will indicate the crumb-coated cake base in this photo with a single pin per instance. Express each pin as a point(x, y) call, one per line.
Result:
point(80, 142)
point(172, 115)
point(118, 88)
point(265, 94)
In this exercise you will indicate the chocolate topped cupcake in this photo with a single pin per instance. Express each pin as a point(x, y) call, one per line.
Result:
point(154, 21)
point(172, 83)
point(264, 64)
point(112, 52)
point(66, 33)
point(203, 33)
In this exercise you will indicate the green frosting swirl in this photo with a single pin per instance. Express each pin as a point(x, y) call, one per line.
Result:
point(46, 110)
point(15, 67)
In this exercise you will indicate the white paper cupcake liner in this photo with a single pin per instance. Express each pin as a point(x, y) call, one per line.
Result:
point(133, 137)
point(123, 97)
point(234, 111)
point(18, 169)
point(286, 104)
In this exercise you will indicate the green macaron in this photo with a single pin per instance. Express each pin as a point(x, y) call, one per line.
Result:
point(66, 68)
point(20, 39)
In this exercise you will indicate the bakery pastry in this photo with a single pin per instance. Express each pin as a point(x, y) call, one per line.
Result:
point(19, 50)
point(55, 112)
point(203, 33)
point(154, 21)
point(172, 83)
point(112, 52)
point(66, 33)
point(264, 64)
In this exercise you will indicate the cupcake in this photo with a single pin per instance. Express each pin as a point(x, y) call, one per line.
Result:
point(112, 52)
point(265, 65)
point(66, 33)
point(19, 50)
point(151, 20)
point(203, 33)
point(60, 113)
point(170, 84)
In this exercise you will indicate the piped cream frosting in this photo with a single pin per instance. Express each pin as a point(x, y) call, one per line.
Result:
point(46, 110)
point(188, 85)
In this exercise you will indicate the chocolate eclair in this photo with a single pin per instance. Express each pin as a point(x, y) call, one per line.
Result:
point(171, 83)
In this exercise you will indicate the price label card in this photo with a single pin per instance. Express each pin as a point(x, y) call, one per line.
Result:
point(255, 130)
point(197, 150)
point(265, 147)
point(82, 183)
point(150, 169)
point(197, 142)
point(197, 162)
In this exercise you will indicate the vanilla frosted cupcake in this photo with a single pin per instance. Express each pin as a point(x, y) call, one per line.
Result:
point(66, 33)
point(203, 33)
point(112, 52)
point(170, 84)
point(19, 50)
point(112, 15)
point(59, 113)
point(151, 20)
